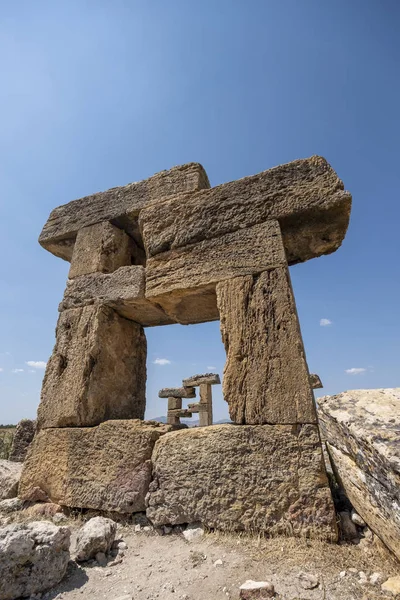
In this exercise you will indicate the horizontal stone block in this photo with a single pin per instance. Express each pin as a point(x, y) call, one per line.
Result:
point(107, 467)
point(100, 248)
point(196, 380)
point(254, 478)
point(243, 252)
point(120, 205)
point(305, 196)
point(361, 428)
point(183, 392)
point(123, 290)
point(188, 307)
point(97, 370)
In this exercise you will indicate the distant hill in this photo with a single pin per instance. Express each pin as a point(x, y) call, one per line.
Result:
point(188, 422)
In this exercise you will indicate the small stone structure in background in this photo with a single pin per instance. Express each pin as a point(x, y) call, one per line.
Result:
point(167, 250)
point(23, 437)
point(203, 408)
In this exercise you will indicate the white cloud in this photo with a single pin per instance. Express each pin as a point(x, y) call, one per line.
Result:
point(211, 367)
point(36, 364)
point(355, 371)
point(325, 322)
point(17, 371)
point(162, 361)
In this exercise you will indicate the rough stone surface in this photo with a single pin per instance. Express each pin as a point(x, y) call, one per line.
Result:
point(243, 252)
point(183, 392)
point(392, 585)
point(96, 536)
point(10, 473)
point(120, 205)
point(100, 248)
point(266, 377)
point(97, 370)
point(362, 432)
point(11, 505)
point(315, 381)
point(306, 196)
point(123, 290)
point(23, 436)
point(33, 558)
point(254, 478)
point(104, 468)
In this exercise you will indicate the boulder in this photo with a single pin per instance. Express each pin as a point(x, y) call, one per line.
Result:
point(121, 205)
point(23, 436)
point(256, 590)
point(96, 536)
point(305, 196)
point(362, 432)
point(10, 473)
point(33, 558)
point(104, 468)
point(97, 370)
point(255, 478)
point(11, 505)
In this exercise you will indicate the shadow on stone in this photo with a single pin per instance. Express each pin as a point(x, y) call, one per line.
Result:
point(74, 579)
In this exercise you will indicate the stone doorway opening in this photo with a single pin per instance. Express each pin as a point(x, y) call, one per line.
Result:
point(177, 352)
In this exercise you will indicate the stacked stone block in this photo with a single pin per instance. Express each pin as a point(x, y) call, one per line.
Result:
point(171, 250)
point(204, 407)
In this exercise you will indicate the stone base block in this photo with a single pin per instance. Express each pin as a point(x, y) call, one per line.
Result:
point(267, 478)
point(104, 468)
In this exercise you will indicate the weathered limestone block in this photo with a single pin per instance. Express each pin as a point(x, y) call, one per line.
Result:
point(120, 205)
point(266, 377)
point(306, 196)
point(100, 248)
point(362, 431)
point(23, 436)
point(183, 392)
point(97, 370)
point(255, 478)
point(33, 558)
point(107, 467)
point(196, 266)
point(196, 380)
point(191, 306)
point(10, 473)
point(123, 290)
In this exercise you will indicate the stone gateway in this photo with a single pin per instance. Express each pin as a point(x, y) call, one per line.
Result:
point(167, 250)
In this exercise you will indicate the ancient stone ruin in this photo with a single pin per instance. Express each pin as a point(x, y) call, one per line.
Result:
point(203, 407)
point(166, 250)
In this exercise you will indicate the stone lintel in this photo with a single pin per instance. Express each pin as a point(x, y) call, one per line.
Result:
point(182, 392)
point(305, 196)
point(120, 205)
point(196, 380)
point(123, 290)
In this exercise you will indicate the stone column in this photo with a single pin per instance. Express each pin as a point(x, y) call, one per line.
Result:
point(97, 370)
point(205, 412)
point(266, 377)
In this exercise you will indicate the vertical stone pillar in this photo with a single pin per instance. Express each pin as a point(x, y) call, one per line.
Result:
point(97, 370)
point(266, 377)
point(205, 406)
point(173, 404)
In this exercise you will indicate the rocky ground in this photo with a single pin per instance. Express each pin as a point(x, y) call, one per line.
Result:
point(149, 566)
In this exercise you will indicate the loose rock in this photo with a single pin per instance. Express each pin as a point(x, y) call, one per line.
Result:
point(392, 585)
point(11, 505)
point(308, 581)
point(10, 473)
point(33, 558)
point(193, 532)
point(97, 535)
point(252, 590)
point(357, 520)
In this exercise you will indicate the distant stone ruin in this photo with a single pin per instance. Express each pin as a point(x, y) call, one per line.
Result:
point(171, 249)
point(203, 408)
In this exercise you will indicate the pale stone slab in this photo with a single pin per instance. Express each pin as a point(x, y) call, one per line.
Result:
point(255, 478)
point(266, 378)
point(100, 248)
point(123, 290)
point(362, 428)
point(306, 196)
point(107, 467)
point(242, 252)
point(97, 370)
point(121, 205)
point(182, 392)
point(196, 380)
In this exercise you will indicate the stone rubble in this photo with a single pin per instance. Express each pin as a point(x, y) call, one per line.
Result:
point(23, 436)
point(95, 537)
point(10, 473)
point(256, 590)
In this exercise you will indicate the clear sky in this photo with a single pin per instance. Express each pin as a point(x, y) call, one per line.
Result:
point(96, 94)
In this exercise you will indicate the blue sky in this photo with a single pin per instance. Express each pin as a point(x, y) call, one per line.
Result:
point(95, 94)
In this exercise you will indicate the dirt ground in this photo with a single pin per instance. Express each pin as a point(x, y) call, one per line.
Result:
point(168, 567)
